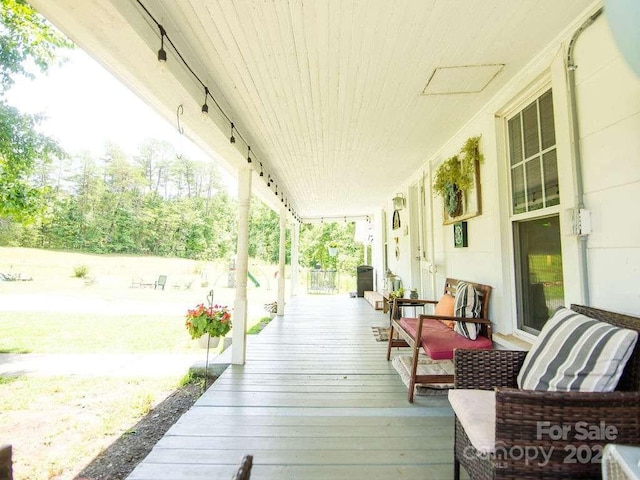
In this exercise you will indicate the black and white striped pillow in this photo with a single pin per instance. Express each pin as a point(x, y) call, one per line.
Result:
point(576, 353)
point(467, 305)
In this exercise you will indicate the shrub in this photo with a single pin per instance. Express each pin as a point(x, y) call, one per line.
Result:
point(80, 271)
point(257, 328)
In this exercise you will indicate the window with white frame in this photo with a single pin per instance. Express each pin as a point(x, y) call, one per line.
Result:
point(533, 158)
point(536, 224)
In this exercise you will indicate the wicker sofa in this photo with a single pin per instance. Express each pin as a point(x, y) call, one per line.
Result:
point(520, 414)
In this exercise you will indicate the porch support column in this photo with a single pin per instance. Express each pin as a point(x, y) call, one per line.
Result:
point(295, 257)
point(238, 346)
point(282, 255)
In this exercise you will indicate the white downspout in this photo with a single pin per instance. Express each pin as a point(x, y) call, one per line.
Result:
point(577, 155)
point(238, 346)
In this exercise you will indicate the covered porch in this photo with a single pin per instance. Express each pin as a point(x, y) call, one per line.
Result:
point(337, 122)
point(316, 399)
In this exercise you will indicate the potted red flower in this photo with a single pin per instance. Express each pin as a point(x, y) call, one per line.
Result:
point(208, 322)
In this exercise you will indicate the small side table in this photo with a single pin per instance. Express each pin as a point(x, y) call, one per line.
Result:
point(621, 462)
point(415, 307)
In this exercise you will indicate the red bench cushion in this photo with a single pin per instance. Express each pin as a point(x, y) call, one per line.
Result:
point(439, 341)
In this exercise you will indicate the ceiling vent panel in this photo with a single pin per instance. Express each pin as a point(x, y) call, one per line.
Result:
point(461, 79)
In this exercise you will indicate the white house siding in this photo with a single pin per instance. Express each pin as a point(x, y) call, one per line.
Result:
point(609, 113)
point(609, 119)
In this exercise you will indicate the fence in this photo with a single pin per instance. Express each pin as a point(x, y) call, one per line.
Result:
point(322, 281)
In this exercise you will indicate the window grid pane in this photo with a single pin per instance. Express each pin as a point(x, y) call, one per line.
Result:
point(547, 125)
point(517, 187)
point(515, 140)
point(530, 130)
point(551, 184)
point(534, 184)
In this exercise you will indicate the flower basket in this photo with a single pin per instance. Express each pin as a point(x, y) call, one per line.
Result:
point(207, 341)
point(214, 321)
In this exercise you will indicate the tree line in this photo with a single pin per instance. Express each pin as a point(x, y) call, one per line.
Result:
point(161, 204)
point(154, 203)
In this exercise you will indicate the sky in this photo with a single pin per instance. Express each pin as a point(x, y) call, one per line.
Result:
point(85, 106)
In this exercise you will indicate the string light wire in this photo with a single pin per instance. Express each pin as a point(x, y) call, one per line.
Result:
point(162, 57)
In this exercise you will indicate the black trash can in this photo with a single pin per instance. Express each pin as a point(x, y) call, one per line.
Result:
point(364, 279)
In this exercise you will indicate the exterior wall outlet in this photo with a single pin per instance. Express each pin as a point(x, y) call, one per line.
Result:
point(584, 222)
point(578, 221)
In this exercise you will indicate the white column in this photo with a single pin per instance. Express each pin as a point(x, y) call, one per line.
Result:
point(238, 346)
point(295, 257)
point(282, 255)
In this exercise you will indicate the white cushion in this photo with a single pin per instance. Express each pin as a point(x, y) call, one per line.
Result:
point(576, 353)
point(476, 411)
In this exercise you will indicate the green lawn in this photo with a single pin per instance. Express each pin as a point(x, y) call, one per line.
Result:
point(32, 332)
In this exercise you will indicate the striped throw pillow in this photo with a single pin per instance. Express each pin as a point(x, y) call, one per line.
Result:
point(467, 305)
point(576, 353)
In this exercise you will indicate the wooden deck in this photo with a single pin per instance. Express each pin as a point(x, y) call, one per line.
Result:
point(316, 400)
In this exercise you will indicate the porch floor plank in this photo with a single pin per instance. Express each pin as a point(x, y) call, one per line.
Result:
point(315, 399)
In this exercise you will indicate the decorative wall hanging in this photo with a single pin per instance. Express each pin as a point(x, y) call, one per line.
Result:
point(396, 219)
point(457, 181)
point(460, 235)
point(398, 201)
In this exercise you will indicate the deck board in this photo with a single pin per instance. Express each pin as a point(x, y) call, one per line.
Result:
point(315, 399)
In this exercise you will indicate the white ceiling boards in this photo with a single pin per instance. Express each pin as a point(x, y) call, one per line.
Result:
point(330, 94)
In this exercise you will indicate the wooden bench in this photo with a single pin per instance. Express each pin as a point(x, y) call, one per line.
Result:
point(436, 339)
point(374, 298)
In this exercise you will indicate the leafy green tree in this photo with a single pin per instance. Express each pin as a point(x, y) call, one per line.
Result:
point(25, 38)
point(315, 240)
point(264, 232)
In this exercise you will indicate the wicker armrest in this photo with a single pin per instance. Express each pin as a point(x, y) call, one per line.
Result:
point(566, 421)
point(487, 369)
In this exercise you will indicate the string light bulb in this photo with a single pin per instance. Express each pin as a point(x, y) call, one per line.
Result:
point(261, 172)
point(205, 108)
point(248, 153)
point(232, 139)
point(268, 180)
point(162, 54)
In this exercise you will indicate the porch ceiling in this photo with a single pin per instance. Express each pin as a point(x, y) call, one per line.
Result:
point(332, 96)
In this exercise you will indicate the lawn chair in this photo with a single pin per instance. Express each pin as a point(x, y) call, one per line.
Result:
point(161, 282)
